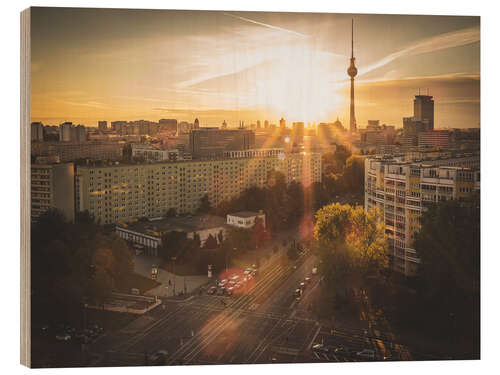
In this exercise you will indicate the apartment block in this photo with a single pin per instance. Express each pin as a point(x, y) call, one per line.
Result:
point(121, 192)
point(52, 186)
point(402, 190)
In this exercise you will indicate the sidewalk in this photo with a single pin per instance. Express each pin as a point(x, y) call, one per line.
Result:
point(187, 284)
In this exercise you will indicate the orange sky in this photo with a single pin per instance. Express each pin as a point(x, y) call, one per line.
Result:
point(90, 65)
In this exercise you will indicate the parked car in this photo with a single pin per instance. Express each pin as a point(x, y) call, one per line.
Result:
point(366, 354)
point(307, 280)
point(212, 290)
point(63, 337)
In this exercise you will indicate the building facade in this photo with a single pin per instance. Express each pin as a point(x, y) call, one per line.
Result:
point(71, 151)
point(121, 192)
point(52, 186)
point(401, 190)
point(212, 142)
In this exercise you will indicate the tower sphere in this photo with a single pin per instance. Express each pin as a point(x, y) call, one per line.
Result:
point(352, 71)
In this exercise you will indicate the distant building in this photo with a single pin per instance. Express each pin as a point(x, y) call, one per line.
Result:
point(196, 123)
point(298, 132)
point(168, 125)
point(436, 138)
point(245, 219)
point(52, 186)
point(36, 132)
point(212, 142)
point(66, 132)
point(282, 123)
point(71, 151)
point(423, 110)
point(102, 125)
point(148, 153)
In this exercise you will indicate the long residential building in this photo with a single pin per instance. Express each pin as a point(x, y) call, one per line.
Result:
point(402, 190)
point(123, 191)
point(71, 151)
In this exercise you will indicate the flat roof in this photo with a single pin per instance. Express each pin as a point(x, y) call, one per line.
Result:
point(245, 214)
point(186, 224)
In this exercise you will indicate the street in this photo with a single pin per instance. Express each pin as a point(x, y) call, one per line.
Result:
point(265, 324)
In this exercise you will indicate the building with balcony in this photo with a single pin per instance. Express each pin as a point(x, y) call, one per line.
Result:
point(52, 186)
point(401, 190)
point(120, 192)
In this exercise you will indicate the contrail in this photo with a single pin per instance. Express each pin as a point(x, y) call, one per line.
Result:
point(277, 28)
point(435, 43)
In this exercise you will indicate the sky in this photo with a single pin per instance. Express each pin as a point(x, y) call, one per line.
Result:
point(108, 64)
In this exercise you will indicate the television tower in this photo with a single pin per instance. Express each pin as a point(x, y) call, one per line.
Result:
point(352, 71)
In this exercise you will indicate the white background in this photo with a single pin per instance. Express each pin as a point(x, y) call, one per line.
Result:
point(10, 156)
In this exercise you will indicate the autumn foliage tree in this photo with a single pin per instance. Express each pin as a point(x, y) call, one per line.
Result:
point(352, 247)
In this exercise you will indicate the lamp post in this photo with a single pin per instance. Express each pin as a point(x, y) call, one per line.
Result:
point(173, 271)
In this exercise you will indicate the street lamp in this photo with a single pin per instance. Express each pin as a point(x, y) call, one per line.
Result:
point(173, 270)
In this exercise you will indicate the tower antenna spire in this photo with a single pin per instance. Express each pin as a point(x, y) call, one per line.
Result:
point(352, 38)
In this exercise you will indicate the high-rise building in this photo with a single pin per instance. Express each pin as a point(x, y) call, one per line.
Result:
point(102, 125)
point(36, 132)
point(258, 124)
point(168, 124)
point(436, 138)
point(266, 124)
point(65, 132)
point(423, 110)
point(116, 193)
point(196, 123)
point(52, 186)
point(282, 123)
point(402, 189)
point(78, 134)
point(352, 71)
point(212, 142)
point(298, 132)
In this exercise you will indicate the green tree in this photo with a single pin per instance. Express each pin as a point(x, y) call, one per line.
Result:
point(352, 246)
point(204, 205)
point(210, 242)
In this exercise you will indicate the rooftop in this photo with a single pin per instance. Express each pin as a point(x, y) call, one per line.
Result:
point(246, 214)
point(186, 224)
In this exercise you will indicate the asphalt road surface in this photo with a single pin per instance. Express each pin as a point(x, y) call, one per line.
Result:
point(263, 324)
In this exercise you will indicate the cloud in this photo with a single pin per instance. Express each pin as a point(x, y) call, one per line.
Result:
point(432, 44)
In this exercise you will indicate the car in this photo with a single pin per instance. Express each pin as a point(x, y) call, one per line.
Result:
point(229, 290)
point(220, 291)
point(320, 348)
point(344, 350)
point(158, 358)
point(248, 271)
point(302, 285)
point(307, 280)
point(63, 337)
point(223, 282)
point(297, 294)
point(212, 290)
point(235, 277)
point(366, 354)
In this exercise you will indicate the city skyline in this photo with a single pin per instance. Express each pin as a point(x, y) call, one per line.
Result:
point(247, 66)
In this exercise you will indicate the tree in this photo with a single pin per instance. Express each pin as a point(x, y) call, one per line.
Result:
point(352, 246)
point(210, 242)
point(204, 205)
point(448, 282)
point(171, 212)
point(448, 245)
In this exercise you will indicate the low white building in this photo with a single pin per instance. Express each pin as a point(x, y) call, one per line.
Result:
point(148, 153)
point(148, 234)
point(245, 219)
